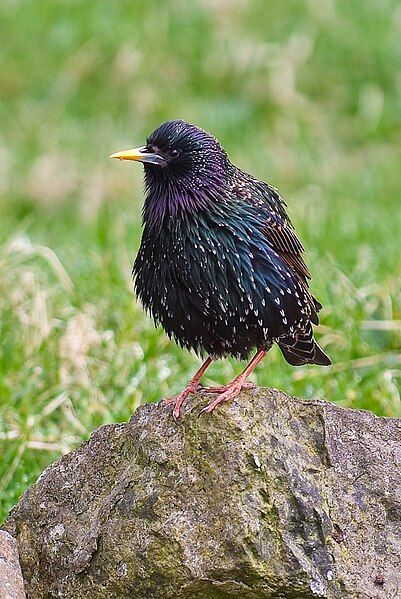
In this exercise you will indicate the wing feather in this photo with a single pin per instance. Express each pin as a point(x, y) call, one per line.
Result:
point(278, 228)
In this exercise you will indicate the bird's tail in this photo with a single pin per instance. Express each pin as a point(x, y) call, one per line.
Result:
point(303, 349)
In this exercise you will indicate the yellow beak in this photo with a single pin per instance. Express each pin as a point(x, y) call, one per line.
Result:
point(140, 155)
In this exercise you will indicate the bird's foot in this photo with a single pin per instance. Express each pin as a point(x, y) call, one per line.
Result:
point(178, 400)
point(224, 388)
point(230, 391)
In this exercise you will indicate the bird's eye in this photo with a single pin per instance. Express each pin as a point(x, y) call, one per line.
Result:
point(174, 153)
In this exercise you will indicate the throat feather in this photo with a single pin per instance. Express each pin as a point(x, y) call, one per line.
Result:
point(167, 201)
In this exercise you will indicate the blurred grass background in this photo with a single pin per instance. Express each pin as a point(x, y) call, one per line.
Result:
point(305, 94)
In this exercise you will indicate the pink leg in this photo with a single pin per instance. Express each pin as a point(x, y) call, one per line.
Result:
point(192, 386)
point(233, 389)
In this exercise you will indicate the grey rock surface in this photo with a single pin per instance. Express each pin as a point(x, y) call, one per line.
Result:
point(11, 582)
point(268, 497)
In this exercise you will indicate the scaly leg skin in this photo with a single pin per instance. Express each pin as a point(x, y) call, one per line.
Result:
point(234, 388)
point(193, 386)
point(223, 388)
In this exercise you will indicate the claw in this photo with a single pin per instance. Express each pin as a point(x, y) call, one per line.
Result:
point(178, 400)
point(230, 393)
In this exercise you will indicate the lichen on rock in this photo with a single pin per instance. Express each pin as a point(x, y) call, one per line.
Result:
point(268, 497)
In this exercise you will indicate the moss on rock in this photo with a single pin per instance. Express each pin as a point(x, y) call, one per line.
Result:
point(268, 497)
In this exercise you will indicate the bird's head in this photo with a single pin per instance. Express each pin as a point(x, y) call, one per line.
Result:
point(181, 155)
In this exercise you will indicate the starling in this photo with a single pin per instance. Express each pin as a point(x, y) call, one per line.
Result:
point(219, 266)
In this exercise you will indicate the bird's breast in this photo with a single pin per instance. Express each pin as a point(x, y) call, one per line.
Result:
point(217, 287)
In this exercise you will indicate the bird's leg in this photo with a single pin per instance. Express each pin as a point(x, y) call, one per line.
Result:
point(192, 387)
point(233, 389)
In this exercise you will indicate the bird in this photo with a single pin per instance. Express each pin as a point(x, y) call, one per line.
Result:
point(220, 266)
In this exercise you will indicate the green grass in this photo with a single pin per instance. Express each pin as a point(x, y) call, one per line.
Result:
point(303, 94)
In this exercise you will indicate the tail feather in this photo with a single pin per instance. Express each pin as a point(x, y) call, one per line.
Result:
point(318, 305)
point(303, 349)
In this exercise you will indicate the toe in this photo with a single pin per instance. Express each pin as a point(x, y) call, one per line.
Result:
point(176, 411)
point(230, 393)
point(213, 404)
point(215, 389)
point(167, 401)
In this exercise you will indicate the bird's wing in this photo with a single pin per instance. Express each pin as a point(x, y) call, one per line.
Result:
point(278, 228)
point(283, 239)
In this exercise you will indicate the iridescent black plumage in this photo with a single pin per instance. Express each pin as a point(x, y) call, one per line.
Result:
point(220, 266)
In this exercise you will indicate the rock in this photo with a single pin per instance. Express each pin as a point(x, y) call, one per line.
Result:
point(268, 497)
point(11, 583)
